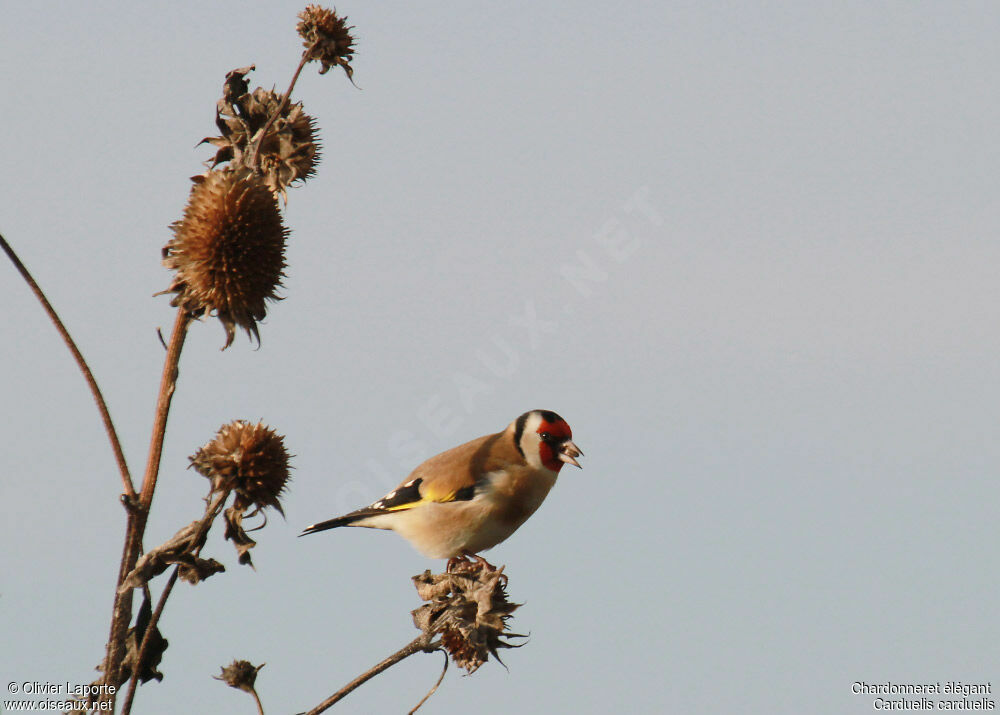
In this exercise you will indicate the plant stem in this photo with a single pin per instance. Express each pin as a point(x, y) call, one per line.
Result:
point(102, 407)
point(211, 511)
point(122, 611)
point(256, 699)
point(433, 690)
point(168, 384)
point(422, 642)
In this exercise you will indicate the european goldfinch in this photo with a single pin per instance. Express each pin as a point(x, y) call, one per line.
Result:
point(472, 497)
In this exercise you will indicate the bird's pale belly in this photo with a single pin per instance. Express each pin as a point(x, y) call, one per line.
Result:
point(475, 525)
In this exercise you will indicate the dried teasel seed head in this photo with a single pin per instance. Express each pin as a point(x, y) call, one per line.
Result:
point(249, 459)
point(327, 38)
point(228, 251)
point(468, 607)
point(240, 674)
point(289, 151)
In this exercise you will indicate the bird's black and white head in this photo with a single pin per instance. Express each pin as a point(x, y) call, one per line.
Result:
point(545, 440)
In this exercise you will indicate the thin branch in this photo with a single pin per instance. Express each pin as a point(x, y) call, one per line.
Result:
point(306, 56)
point(122, 611)
point(212, 510)
point(421, 643)
point(168, 384)
point(436, 685)
point(121, 616)
point(256, 699)
point(102, 407)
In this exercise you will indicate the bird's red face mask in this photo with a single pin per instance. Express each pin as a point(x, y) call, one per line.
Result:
point(557, 446)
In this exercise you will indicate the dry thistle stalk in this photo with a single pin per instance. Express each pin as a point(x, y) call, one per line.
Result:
point(228, 254)
point(288, 151)
point(468, 607)
point(250, 460)
point(327, 38)
point(228, 251)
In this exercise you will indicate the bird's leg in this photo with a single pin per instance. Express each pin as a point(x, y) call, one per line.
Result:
point(453, 563)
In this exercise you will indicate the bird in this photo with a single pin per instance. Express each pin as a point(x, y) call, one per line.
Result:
point(471, 497)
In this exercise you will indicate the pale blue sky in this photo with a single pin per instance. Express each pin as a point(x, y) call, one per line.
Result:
point(747, 250)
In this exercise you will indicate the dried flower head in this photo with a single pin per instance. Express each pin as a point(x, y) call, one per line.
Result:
point(240, 674)
point(228, 251)
point(327, 38)
point(249, 459)
point(289, 151)
point(468, 606)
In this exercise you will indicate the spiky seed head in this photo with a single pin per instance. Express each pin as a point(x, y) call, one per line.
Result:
point(289, 152)
point(327, 38)
point(468, 606)
point(228, 251)
point(240, 674)
point(249, 459)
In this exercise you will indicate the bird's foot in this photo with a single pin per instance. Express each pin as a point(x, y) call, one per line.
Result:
point(468, 563)
point(482, 562)
point(469, 559)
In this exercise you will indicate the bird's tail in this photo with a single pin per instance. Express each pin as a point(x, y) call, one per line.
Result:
point(345, 520)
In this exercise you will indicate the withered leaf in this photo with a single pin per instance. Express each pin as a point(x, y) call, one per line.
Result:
point(239, 537)
point(178, 549)
point(199, 569)
point(146, 670)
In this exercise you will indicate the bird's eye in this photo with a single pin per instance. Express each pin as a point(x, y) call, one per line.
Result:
point(546, 437)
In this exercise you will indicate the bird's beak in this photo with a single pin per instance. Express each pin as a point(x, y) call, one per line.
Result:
point(569, 452)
